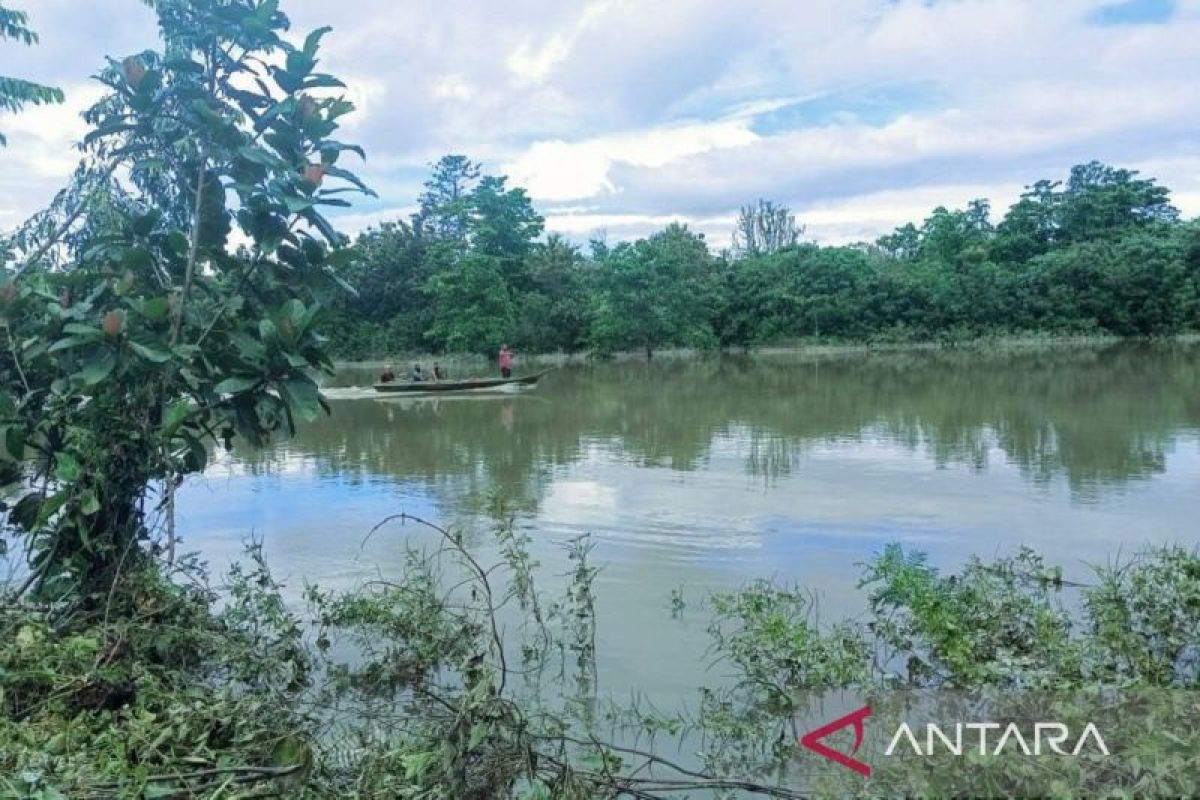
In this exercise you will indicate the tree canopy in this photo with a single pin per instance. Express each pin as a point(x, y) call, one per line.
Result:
point(137, 333)
point(1101, 252)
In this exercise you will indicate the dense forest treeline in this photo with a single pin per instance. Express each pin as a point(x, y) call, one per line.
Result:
point(1103, 252)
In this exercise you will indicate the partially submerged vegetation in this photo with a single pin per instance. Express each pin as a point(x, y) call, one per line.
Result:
point(414, 687)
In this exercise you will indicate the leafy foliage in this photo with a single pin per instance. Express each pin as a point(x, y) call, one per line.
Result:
point(16, 93)
point(136, 334)
point(1102, 254)
point(656, 292)
point(157, 694)
point(410, 687)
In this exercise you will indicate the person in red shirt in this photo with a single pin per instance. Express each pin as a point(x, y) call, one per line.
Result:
point(505, 361)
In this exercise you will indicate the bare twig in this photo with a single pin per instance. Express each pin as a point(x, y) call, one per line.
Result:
point(61, 230)
point(12, 349)
point(474, 566)
point(242, 774)
point(189, 271)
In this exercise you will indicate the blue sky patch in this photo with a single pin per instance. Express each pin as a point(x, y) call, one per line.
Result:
point(875, 105)
point(1134, 12)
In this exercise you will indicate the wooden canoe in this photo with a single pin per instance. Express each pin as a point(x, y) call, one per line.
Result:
point(424, 387)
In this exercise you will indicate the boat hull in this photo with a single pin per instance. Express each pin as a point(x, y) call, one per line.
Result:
point(446, 387)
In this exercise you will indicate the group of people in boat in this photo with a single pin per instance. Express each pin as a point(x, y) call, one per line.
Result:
point(504, 360)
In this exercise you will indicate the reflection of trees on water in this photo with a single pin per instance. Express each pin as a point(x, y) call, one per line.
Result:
point(1098, 417)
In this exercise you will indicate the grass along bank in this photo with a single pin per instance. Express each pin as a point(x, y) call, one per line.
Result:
point(359, 372)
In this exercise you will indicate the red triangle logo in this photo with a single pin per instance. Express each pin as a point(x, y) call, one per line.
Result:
point(812, 740)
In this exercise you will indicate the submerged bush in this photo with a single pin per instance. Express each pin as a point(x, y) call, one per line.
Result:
point(410, 688)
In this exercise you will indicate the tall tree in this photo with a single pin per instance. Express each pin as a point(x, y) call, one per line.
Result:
point(444, 210)
point(1099, 199)
point(502, 224)
point(656, 292)
point(16, 93)
point(946, 235)
point(473, 309)
point(390, 309)
point(554, 312)
point(1031, 225)
point(902, 243)
point(160, 338)
point(765, 228)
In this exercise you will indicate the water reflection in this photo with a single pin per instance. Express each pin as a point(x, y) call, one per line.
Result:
point(1096, 417)
point(706, 474)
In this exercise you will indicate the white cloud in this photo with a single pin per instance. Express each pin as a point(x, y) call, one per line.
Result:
point(557, 170)
point(580, 226)
point(41, 153)
point(639, 112)
point(535, 62)
point(452, 87)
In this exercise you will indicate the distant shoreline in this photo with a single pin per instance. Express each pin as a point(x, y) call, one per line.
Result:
point(982, 343)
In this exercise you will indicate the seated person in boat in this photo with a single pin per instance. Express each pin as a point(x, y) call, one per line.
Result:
point(388, 375)
point(439, 372)
point(417, 375)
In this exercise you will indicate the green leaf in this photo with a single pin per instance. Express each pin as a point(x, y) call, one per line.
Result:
point(299, 64)
point(237, 384)
point(90, 504)
point(313, 41)
point(149, 353)
point(296, 203)
point(347, 175)
point(248, 347)
point(257, 155)
point(322, 81)
point(143, 224)
point(184, 65)
point(479, 732)
point(99, 368)
point(154, 308)
point(294, 310)
point(197, 456)
point(290, 751)
point(78, 329)
point(178, 242)
point(67, 467)
point(136, 258)
point(303, 396)
point(176, 413)
point(69, 342)
point(327, 230)
point(335, 146)
point(109, 128)
point(13, 441)
point(25, 511)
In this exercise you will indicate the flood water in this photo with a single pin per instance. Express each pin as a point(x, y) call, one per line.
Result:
point(704, 474)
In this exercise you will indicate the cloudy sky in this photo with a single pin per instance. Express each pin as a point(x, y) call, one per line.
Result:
point(622, 115)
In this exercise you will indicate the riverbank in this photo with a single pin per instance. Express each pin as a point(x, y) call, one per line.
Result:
point(409, 688)
point(473, 365)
